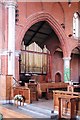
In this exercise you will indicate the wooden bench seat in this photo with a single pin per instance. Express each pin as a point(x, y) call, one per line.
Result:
point(49, 87)
point(65, 95)
point(70, 109)
point(49, 92)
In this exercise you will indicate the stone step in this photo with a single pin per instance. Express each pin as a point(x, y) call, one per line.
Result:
point(34, 114)
point(38, 109)
point(37, 112)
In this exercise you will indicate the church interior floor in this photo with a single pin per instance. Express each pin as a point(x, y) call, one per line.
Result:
point(9, 113)
point(37, 109)
point(43, 103)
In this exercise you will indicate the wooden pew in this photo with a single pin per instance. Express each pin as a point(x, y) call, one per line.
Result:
point(22, 91)
point(74, 88)
point(47, 88)
point(44, 86)
point(66, 96)
point(29, 93)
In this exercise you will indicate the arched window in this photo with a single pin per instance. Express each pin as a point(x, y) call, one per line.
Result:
point(76, 25)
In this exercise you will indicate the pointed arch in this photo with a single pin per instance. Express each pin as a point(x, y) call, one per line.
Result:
point(76, 25)
point(44, 16)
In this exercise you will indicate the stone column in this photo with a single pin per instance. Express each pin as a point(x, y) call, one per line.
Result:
point(66, 69)
point(10, 4)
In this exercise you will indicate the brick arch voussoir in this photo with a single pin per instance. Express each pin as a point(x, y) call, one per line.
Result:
point(44, 16)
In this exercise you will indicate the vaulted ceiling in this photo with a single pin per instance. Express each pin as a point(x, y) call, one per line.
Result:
point(39, 33)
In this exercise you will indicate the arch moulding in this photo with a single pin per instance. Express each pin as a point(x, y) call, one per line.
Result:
point(44, 16)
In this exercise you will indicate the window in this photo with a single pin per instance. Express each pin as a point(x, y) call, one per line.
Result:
point(76, 25)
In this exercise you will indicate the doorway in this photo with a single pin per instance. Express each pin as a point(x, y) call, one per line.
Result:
point(58, 77)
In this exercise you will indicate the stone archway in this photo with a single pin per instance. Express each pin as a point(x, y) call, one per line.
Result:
point(44, 16)
point(75, 64)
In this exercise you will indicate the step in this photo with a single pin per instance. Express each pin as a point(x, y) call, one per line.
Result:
point(38, 109)
point(34, 114)
point(37, 112)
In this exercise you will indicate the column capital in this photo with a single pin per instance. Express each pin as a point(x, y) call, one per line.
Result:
point(9, 3)
point(66, 58)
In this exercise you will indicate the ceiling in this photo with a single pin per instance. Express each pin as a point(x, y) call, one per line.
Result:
point(39, 33)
